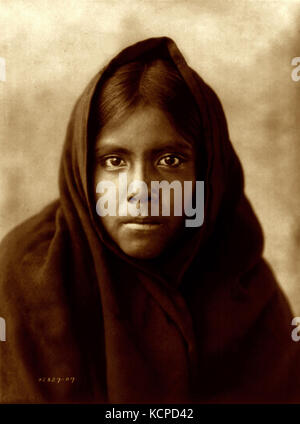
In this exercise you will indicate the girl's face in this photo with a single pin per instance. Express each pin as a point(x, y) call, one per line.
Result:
point(144, 147)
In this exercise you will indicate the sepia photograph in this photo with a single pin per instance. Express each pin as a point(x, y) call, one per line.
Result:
point(150, 203)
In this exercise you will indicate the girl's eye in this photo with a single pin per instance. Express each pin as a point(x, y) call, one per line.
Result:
point(170, 160)
point(113, 162)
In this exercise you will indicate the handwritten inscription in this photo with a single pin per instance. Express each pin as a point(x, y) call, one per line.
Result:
point(56, 380)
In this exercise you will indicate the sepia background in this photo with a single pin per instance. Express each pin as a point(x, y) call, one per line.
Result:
point(242, 48)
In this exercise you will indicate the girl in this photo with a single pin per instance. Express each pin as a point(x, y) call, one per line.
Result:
point(115, 308)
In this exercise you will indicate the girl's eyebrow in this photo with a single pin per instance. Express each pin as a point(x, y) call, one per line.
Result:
point(110, 148)
point(169, 146)
point(174, 146)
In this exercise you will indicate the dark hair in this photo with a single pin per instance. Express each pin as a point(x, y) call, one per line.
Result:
point(156, 83)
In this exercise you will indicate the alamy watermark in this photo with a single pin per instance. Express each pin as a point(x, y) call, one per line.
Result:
point(2, 330)
point(296, 331)
point(2, 69)
point(138, 193)
point(296, 71)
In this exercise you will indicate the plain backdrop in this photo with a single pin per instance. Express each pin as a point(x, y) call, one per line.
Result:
point(242, 48)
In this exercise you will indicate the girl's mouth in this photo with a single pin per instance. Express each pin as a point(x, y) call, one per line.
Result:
point(145, 226)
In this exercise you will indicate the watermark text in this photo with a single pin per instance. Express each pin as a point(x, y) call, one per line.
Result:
point(296, 71)
point(2, 330)
point(123, 200)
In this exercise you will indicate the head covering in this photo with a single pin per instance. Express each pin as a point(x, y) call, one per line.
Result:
point(206, 323)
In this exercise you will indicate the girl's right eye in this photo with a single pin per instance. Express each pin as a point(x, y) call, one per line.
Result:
point(113, 162)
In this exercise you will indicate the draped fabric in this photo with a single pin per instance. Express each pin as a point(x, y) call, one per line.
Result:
point(207, 322)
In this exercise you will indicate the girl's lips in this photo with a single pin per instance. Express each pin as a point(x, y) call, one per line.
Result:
point(145, 226)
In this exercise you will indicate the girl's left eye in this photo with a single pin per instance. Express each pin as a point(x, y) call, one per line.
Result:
point(170, 160)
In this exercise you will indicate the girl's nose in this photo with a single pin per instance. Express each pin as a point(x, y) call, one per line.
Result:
point(139, 181)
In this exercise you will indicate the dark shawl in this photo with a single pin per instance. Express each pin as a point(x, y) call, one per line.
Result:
point(206, 324)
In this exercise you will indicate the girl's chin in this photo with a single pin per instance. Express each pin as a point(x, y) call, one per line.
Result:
point(143, 250)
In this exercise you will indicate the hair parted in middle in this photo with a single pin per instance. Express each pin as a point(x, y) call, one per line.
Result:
point(155, 83)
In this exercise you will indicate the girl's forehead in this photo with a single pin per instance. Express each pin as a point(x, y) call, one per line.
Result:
point(145, 128)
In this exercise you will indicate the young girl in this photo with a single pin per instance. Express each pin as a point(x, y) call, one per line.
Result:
point(117, 308)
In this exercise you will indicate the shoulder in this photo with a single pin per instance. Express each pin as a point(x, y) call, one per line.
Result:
point(24, 248)
point(28, 235)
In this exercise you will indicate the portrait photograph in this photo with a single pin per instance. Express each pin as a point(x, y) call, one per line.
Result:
point(150, 203)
